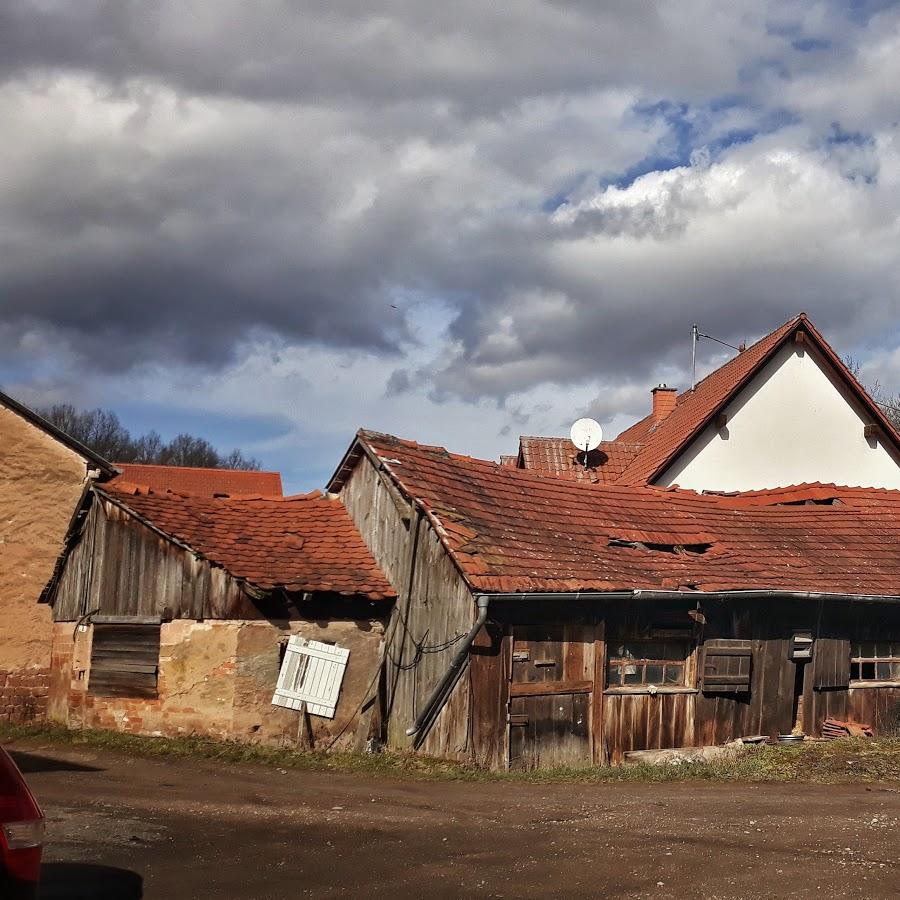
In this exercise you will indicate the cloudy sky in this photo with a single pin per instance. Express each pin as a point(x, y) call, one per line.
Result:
point(270, 223)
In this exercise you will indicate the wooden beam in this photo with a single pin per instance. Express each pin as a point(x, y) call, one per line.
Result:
point(541, 688)
point(126, 620)
point(598, 739)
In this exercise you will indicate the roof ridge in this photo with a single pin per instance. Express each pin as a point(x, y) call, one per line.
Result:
point(686, 394)
point(198, 468)
point(130, 488)
point(695, 407)
point(792, 321)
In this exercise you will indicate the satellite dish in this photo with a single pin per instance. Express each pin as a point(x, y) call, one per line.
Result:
point(586, 434)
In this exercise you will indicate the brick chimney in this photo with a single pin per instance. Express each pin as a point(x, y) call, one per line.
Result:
point(663, 402)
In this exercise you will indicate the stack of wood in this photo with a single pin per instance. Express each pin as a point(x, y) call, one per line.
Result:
point(832, 729)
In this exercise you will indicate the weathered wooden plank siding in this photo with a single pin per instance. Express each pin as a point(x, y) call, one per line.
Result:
point(440, 608)
point(647, 722)
point(876, 706)
point(489, 667)
point(780, 689)
point(639, 720)
point(123, 568)
point(377, 516)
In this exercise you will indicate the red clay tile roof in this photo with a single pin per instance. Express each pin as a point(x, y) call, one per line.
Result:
point(558, 456)
point(305, 543)
point(695, 409)
point(510, 530)
point(184, 479)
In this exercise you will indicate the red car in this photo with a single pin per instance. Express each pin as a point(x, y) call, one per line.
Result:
point(21, 834)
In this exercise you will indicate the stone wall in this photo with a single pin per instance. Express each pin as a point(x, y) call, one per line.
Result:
point(41, 482)
point(216, 679)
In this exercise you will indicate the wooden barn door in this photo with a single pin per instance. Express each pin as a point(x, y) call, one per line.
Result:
point(550, 694)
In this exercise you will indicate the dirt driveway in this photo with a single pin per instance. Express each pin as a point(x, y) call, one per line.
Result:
point(197, 829)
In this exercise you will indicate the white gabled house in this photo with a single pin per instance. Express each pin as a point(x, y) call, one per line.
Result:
point(784, 411)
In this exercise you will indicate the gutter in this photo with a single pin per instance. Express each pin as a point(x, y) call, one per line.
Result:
point(441, 692)
point(640, 594)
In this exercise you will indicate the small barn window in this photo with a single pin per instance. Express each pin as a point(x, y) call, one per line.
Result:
point(311, 673)
point(727, 666)
point(124, 659)
point(646, 662)
point(875, 661)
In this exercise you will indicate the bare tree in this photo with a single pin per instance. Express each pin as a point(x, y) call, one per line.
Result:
point(888, 402)
point(103, 432)
point(187, 450)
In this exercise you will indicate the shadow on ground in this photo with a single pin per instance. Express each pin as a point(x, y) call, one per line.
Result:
point(35, 762)
point(86, 881)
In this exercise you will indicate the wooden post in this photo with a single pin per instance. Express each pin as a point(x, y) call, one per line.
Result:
point(598, 741)
point(304, 729)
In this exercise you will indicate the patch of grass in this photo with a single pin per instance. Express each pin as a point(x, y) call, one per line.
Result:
point(853, 760)
point(194, 747)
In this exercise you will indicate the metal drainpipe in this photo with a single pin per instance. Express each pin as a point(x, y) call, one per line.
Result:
point(439, 695)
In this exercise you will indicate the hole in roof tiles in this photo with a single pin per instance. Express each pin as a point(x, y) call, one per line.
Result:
point(677, 549)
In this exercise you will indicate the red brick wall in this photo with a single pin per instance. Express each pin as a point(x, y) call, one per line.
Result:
point(23, 695)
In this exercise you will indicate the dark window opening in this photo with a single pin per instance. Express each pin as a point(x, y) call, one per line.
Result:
point(646, 662)
point(875, 661)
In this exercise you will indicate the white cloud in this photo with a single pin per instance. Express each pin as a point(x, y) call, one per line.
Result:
point(450, 221)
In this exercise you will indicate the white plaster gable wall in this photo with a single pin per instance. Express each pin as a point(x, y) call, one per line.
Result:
point(792, 424)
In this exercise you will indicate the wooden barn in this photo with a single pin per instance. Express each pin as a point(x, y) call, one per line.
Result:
point(544, 621)
point(174, 614)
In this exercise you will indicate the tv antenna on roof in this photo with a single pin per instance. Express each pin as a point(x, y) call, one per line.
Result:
point(696, 334)
point(586, 435)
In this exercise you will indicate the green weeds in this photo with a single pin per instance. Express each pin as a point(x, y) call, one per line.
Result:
point(852, 760)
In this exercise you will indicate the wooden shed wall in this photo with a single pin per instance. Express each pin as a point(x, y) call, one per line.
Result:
point(121, 567)
point(440, 609)
point(876, 706)
point(636, 719)
point(769, 624)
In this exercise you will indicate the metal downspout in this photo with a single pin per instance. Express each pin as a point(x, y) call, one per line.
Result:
point(441, 692)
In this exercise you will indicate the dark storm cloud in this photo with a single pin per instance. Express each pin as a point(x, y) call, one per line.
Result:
point(180, 178)
point(475, 54)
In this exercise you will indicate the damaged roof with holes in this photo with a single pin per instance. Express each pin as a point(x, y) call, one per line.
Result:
point(558, 456)
point(510, 530)
point(302, 543)
point(192, 480)
point(652, 445)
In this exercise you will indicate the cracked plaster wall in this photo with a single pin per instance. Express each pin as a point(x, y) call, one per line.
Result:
point(216, 678)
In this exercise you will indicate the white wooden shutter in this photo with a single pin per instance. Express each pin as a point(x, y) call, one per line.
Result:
point(312, 673)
